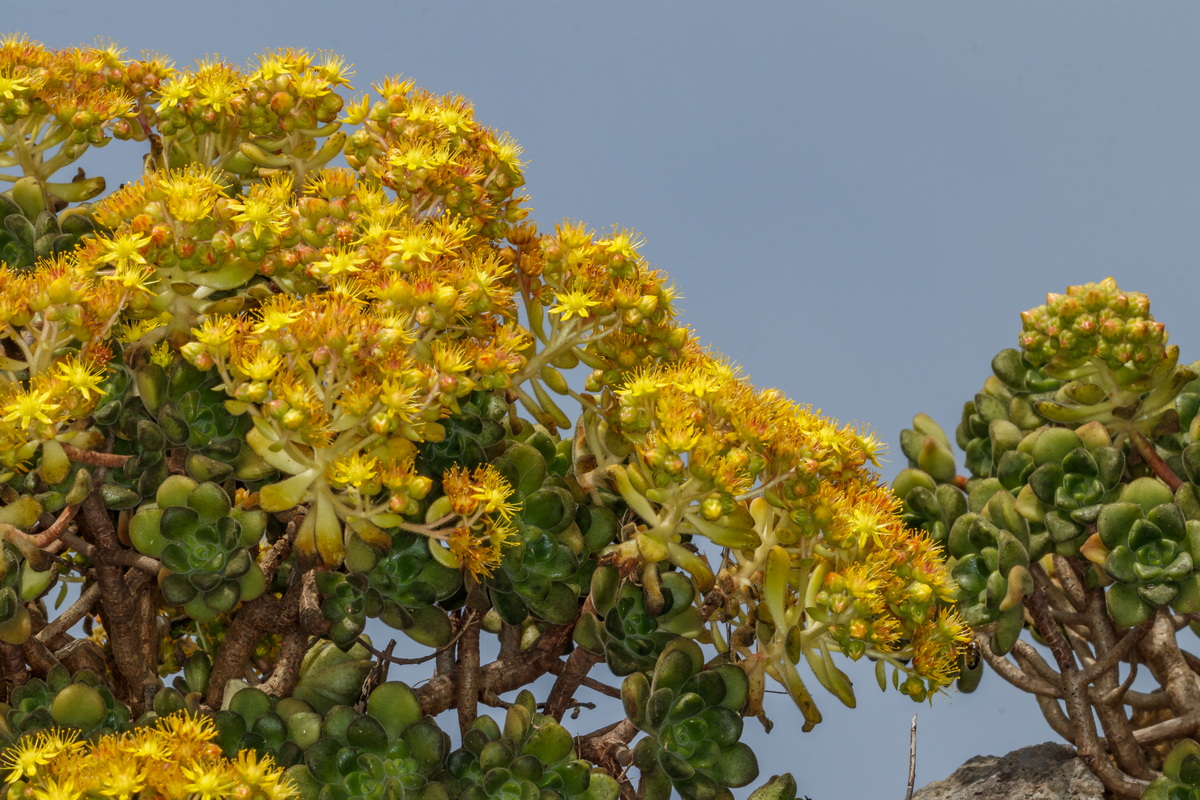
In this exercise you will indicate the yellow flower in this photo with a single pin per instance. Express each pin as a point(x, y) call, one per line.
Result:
point(507, 151)
point(262, 774)
point(123, 249)
point(262, 367)
point(61, 788)
point(574, 303)
point(276, 317)
point(132, 275)
point(216, 332)
point(207, 781)
point(456, 118)
point(623, 244)
point(481, 551)
point(148, 748)
point(191, 194)
point(355, 469)
point(10, 85)
point(493, 492)
point(339, 262)
point(335, 70)
point(414, 245)
point(260, 212)
point(83, 378)
point(28, 407)
point(27, 757)
point(645, 383)
point(123, 778)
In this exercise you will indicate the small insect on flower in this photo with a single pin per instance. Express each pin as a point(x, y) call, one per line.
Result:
point(973, 655)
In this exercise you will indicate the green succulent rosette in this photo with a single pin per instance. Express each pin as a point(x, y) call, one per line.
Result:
point(408, 589)
point(473, 435)
point(991, 550)
point(542, 573)
point(1150, 550)
point(1181, 774)
point(344, 605)
point(384, 751)
point(31, 230)
point(928, 505)
point(1075, 474)
point(531, 758)
point(203, 544)
point(1111, 354)
point(78, 700)
point(986, 431)
point(150, 413)
point(692, 725)
point(633, 622)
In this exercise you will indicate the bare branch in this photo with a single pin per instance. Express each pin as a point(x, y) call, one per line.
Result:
point(1014, 674)
point(500, 676)
point(912, 758)
point(570, 677)
point(467, 672)
point(94, 459)
point(72, 614)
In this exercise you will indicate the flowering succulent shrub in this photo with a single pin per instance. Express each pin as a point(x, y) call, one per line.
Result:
point(252, 400)
point(1080, 523)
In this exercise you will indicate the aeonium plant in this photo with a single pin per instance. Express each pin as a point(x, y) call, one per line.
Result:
point(1078, 522)
point(251, 401)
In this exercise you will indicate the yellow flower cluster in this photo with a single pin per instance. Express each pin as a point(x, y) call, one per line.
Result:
point(813, 545)
point(481, 499)
point(436, 157)
point(175, 759)
point(54, 104)
point(250, 124)
point(53, 329)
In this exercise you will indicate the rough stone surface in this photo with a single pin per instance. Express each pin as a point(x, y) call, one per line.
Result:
point(1047, 771)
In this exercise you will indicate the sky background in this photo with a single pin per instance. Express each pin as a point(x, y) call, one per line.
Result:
point(856, 201)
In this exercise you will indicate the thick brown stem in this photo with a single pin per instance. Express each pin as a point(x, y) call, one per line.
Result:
point(118, 608)
point(510, 641)
point(500, 676)
point(1153, 460)
point(311, 618)
point(608, 748)
point(467, 672)
point(1076, 701)
point(122, 557)
point(1177, 728)
point(75, 612)
point(1039, 610)
point(1068, 575)
point(589, 683)
point(1055, 717)
point(265, 614)
point(286, 673)
point(1014, 674)
point(579, 663)
point(16, 671)
point(1118, 730)
point(94, 459)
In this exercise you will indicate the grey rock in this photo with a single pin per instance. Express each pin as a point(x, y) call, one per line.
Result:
point(1047, 771)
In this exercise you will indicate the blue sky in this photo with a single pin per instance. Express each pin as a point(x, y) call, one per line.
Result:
point(856, 201)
